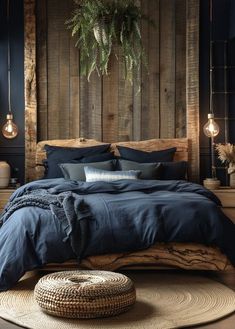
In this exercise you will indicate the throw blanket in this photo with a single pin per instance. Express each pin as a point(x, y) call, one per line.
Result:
point(68, 207)
point(56, 220)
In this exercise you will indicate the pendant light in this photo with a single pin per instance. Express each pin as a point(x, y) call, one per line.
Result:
point(211, 128)
point(10, 129)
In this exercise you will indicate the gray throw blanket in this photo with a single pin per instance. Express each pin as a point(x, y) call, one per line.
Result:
point(69, 208)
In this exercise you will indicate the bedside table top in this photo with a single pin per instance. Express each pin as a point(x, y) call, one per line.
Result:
point(226, 195)
point(224, 189)
point(5, 194)
point(7, 190)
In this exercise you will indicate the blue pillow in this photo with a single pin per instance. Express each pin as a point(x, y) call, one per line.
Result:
point(144, 157)
point(75, 171)
point(148, 170)
point(174, 170)
point(98, 157)
point(97, 175)
point(58, 154)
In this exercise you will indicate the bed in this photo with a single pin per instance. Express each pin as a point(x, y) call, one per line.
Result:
point(211, 223)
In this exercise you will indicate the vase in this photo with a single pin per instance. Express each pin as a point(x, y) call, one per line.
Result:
point(211, 183)
point(4, 174)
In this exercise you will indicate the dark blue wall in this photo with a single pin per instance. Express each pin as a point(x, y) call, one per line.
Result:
point(222, 28)
point(12, 150)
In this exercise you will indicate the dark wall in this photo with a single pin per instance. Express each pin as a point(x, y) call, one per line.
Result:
point(223, 84)
point(12, 150)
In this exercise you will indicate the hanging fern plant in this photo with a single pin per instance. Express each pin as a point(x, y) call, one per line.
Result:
point(101, 24)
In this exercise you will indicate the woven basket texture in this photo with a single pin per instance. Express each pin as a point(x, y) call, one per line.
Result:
point(85, 294)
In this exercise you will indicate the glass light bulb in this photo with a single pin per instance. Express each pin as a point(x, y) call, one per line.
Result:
point(211, 128)
point(10, 129)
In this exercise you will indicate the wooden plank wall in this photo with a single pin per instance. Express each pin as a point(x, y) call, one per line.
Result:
point(109, 108)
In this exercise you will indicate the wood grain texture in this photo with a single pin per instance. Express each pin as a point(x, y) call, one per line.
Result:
point(41, 68)
point(109, 108)
point(64, 70)
point(30, 88)
point(125, 105)
point(180, 68)
point(110, 102)
point(192, 84)
point(162, 255)
point(74, 83)
point(167, 68)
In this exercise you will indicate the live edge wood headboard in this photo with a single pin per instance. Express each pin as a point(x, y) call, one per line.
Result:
point(181, 144)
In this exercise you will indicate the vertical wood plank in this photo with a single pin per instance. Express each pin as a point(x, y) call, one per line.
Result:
point(192, 85)
point(180, 68)
point(53, 70)
point(30, 88)
point(154, 76)
point(136, 126)
point(94, 107)
point(41, 42)
point(110, 103)
point(64, 70)
point(144, 74)
point(74, 113)
point(136, 115)
point(150, 123)
point(167, 68)
point(84, 115)
point(125, 103)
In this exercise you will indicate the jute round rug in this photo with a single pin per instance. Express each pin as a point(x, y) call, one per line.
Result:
point(171, 300)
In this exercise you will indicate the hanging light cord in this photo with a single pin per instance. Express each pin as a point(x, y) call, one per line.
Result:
point(210, 61)
point(9, 57)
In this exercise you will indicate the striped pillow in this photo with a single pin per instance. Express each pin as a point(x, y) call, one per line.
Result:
point(95, 175)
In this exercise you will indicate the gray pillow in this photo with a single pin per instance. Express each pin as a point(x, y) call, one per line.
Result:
point(75, 171)
point(97, 175)
point(148, 170)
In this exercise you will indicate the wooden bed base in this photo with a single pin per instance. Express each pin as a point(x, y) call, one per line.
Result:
point(170, 255)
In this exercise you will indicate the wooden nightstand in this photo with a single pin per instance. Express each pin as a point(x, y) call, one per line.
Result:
point(4, 196)
point(227, 198)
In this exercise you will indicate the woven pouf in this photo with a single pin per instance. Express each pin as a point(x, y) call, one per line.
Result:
point(85, 294)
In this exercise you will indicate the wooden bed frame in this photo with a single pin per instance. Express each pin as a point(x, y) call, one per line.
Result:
point(161, 255)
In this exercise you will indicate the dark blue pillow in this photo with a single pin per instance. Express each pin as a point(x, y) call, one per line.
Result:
point(174, 170)
point(144, 157)
point(58, 154)
point(98, 157)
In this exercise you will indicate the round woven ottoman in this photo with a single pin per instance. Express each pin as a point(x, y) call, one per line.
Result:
point(85, 294)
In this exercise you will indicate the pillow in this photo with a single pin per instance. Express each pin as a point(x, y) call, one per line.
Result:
point(58, 154)
point(98, 157)
point(94, 175)
point(174, 170)
point(144, 157)
point(148, 170)
point(75, 171)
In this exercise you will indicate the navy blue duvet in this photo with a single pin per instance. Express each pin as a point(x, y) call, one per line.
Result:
point(125, 215)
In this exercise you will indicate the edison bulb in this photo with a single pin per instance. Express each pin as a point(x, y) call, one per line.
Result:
point(211, 128)
point(10, 129)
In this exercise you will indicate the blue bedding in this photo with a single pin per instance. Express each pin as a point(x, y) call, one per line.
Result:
point(54, 220)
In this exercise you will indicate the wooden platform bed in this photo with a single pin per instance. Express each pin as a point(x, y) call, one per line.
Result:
point(161, 255)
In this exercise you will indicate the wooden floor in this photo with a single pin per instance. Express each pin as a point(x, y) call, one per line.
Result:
point(226, 323)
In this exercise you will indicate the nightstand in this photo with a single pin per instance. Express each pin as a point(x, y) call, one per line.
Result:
point(227, 198)
point(4, 196)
